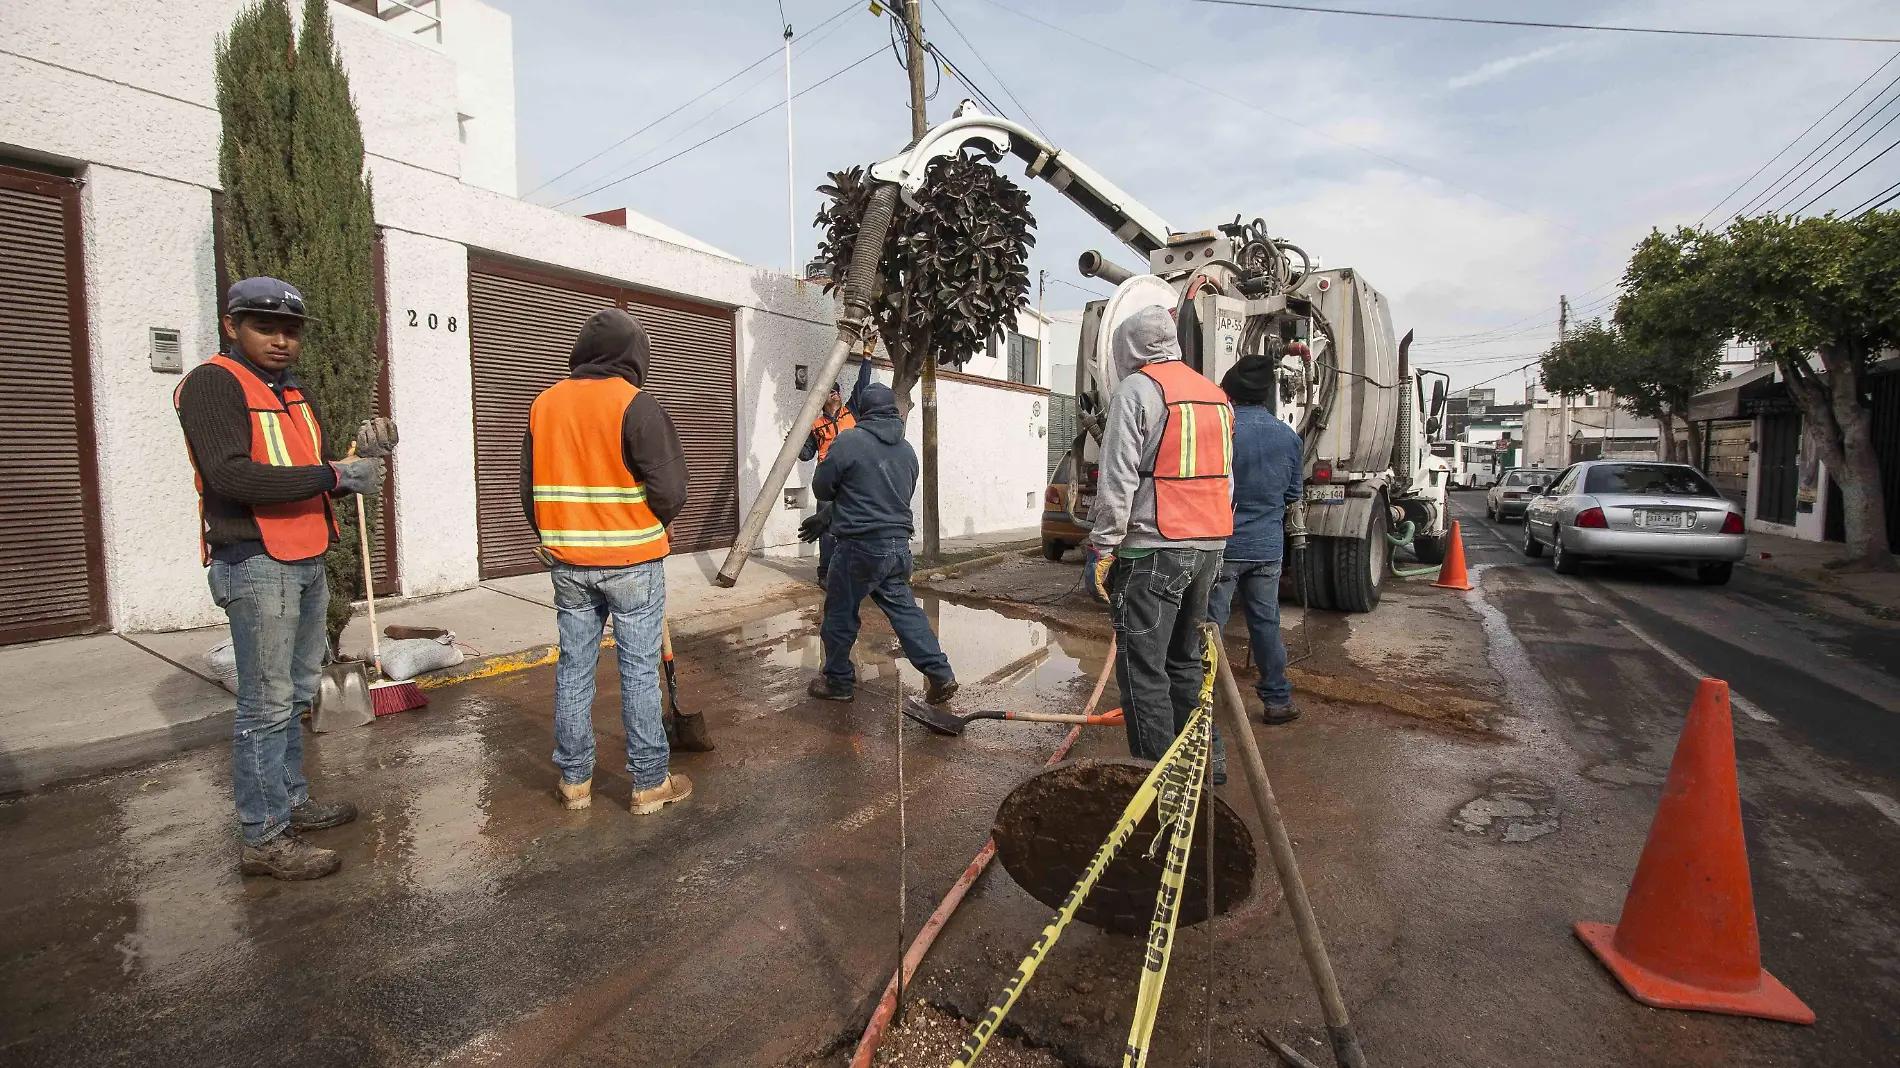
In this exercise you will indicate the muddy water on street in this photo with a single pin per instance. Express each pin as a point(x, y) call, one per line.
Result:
point(474, 920)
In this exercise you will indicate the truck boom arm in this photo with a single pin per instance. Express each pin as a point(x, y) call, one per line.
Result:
point(1128, 219)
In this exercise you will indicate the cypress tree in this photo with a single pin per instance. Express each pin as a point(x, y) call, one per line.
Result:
point(332, 262)
point(257, 103)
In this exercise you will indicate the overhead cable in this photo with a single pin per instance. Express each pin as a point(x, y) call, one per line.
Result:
point(1822, 151)
point(1547, 25)
point(967, 43)
point(742, 122)
point(1883, 196)
point(1797, 140)
point(1845, 177)
point(1844, 160)
point(1243, 102)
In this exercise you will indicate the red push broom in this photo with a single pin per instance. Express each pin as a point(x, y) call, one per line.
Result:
point(385, 697)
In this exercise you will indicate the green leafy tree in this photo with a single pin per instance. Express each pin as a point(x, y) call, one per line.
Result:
point(1672, 332)
point(1821, 290)
point(955, 268)
point(332, 261)
point(297, 207)
point(257, 100)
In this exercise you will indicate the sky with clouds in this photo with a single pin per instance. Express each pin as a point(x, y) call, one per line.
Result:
point(1471, 173)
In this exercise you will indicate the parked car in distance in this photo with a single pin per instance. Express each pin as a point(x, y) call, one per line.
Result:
point(1651, 513)
point(1513, 491)
point(1059, 530)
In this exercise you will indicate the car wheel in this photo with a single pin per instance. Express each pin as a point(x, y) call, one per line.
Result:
point(1053, 550)
point(1532, 547)
point(1562, 560)
point(1490, 513)
point(1714, 574)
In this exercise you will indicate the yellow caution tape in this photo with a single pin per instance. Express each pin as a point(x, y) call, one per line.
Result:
point(1175, 784)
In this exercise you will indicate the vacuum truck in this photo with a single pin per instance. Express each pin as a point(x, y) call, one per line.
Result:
point(1364, 414)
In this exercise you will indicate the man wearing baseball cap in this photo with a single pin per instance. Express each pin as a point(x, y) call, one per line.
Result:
point(264, 489)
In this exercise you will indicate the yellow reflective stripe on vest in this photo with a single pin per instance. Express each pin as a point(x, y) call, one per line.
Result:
point(1227, 437)
point(316, 433)
point(1189, 436)
point(591, 494)
point(602, 539)
point(274, 445)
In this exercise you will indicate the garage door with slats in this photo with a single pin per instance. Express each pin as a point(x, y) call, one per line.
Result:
point(50, 580)
point(521, 329)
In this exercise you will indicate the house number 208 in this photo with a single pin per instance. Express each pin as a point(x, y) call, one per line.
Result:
point(431, 320)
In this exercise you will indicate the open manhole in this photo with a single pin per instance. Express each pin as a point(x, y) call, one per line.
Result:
point(1049, 828)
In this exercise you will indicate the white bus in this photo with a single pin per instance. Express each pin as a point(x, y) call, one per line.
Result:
point(1471, 466)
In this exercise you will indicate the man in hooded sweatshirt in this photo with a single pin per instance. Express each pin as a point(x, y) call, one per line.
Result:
point(868, 476)
point(1163, 511)
point(601, 477)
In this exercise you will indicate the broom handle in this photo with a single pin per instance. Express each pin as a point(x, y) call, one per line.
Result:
point(369, 579)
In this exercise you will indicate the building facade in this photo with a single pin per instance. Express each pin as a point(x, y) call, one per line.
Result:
point(108, 175)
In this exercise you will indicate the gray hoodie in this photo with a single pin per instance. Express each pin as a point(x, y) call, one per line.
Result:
point(1124, 515)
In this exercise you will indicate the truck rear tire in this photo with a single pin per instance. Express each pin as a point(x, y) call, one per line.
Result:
point(1360, 565)
point(1315, 573)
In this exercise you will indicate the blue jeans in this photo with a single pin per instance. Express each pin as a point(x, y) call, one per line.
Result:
point(1157, 604)
point(827, 545)
point(1259, 586)
point(879, 568)
point(636, 599)
point(276, 612)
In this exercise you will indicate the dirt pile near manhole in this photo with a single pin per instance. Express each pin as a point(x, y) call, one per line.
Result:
point(1458, 713)
point(930, 1038)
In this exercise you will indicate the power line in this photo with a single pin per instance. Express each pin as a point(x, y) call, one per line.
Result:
point(1547, 25)
point(1243, 102)
point(1504, 333)
point(967, 43)
point(742, 122)
point(729, 80)
point(1797, 140)
point(1862, 207)
point(1849, 174)
point(1821, 151)
point(1843, 162)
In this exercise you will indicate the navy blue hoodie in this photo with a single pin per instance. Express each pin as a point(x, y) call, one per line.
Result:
point(870, 472)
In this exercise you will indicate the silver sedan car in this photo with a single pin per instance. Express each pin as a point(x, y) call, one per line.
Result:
point(1651, 513)
point(1514, 491)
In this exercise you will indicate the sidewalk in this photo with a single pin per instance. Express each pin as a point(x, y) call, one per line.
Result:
point(1873, 593)
point(74, 706)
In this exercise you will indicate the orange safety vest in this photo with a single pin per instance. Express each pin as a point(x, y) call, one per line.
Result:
point(1195, 461)
point(590, 509)
point(826, 429)
point(283, 434)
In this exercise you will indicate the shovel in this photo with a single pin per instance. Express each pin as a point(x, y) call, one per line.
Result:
point(942, 722)
point(342, 697)
point(684, 732)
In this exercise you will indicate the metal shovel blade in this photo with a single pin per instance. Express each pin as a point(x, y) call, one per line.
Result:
point(342, 698)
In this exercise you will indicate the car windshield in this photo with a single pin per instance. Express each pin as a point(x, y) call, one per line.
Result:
point(1648, 480)
point(1522, 478)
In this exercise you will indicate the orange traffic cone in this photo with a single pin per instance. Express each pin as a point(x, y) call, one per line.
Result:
point(1451, 575)
point(1687, 938)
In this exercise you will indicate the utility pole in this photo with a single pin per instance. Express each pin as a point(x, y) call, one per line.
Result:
point(1563, 399)
point(914, 60)
point(791, 181)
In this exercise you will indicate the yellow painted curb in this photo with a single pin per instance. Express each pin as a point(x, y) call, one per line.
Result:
point(502, 664)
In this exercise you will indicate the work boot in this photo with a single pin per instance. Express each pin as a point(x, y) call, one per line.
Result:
point(647, 802)
point(825, 690)
point(691, 735)
point(288, 857)
point(314, 815)
point(575, 795)
point(1275, 715)
point(940, 690)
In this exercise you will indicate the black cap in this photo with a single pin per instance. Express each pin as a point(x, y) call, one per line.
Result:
point(269, 296)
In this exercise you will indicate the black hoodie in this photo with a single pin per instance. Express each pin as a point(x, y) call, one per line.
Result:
point(613, 344)
point(870, 472)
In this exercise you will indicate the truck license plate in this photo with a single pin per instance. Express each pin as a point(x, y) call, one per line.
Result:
point(1664, 518)
point(1326, 494)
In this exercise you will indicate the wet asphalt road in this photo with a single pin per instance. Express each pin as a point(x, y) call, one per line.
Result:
point(476, 923)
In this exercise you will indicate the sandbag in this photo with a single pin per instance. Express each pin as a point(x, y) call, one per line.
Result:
point(409, 657)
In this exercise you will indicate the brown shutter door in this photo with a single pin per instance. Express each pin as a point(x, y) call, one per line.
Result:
point(51, 575)
point(693, 375)
point(522, 325)
point(520, 334)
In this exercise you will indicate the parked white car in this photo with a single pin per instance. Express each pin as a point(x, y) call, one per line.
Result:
point(1512, 493)
point(1652, 513)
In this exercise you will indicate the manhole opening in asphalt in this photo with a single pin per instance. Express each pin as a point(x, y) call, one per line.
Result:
point(1049, 828)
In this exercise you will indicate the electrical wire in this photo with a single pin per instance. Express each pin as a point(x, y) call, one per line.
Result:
point(971, 45)
point(900, 47)
point(1079, 289)
point(1243, 102)
point(1819, 152)
point(1894, 194)
point(1817, 179)
point(1547, 25)
point(1848, 175)
point(1862, 207)
point(1838, 104)
point(742, 122)
point(748, 67)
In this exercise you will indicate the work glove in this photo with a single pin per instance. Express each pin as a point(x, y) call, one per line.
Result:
point(376, 437)
point(815, 524)
point(360, 474)
point(1095, 564)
